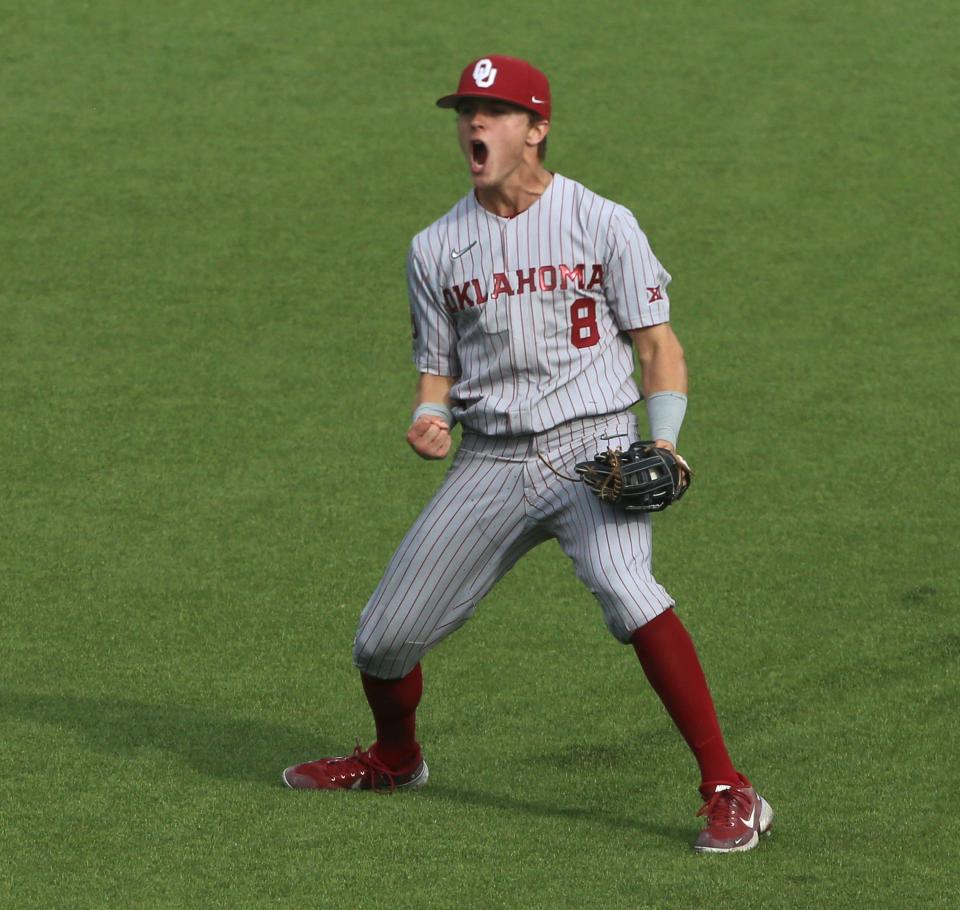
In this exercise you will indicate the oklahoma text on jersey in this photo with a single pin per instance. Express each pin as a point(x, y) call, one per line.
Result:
point(542, 278)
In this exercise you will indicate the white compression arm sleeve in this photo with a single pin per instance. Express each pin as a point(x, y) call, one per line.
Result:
point(666, 411)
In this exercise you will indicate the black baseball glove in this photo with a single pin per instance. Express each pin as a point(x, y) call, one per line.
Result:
point(645, 478)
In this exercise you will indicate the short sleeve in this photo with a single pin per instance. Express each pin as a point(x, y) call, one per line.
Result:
point(434, 332)
point(636, 282)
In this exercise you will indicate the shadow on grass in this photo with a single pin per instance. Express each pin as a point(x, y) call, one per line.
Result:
point(257, 751)
point(539, 808)
point(212, 744)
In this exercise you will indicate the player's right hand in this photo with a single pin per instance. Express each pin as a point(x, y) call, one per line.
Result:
point(429, 437)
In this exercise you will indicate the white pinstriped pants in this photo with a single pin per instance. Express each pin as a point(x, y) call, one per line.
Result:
point(497, 502)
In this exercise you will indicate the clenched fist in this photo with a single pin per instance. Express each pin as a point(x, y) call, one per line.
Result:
point(429, 437)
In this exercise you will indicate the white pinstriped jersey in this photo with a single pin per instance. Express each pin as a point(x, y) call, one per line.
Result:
point(530, 312)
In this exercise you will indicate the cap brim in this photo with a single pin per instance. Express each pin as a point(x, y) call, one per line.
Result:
point(451, 101)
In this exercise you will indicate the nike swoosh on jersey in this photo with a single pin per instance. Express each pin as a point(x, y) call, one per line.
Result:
point(456, 254)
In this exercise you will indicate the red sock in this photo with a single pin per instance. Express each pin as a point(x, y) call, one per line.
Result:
point(669, 659)
point(394, 705)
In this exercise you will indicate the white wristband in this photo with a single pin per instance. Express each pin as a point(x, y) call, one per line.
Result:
point(432, 409)
point(665, 411)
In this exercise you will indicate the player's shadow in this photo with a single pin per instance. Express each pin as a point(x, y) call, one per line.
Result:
point(210, 743)
point(256, 751)
point(554, 808)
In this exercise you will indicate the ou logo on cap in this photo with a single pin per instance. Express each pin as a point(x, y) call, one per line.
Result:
point(484, 73)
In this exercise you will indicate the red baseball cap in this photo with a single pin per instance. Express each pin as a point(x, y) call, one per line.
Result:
point(506, 79)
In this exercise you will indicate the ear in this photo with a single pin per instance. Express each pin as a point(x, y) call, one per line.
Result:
point(538, 132)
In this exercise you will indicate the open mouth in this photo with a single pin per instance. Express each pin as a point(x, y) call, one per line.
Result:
point(478, 155)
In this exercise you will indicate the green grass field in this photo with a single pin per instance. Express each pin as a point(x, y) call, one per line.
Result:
point(204, 328)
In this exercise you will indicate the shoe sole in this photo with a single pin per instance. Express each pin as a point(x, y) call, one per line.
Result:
point(766, 826)
point(415, 783)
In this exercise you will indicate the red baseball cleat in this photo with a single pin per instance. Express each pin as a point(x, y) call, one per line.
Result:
point(736, 817)
point(360, 771)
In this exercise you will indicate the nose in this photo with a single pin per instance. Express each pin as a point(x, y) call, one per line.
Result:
point(477, 118)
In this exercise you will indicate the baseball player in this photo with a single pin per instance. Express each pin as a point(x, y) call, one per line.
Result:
point(528, 299)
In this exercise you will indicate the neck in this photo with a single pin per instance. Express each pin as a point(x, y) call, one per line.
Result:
point(517, 193)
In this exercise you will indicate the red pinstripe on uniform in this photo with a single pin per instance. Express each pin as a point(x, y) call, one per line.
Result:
point(524, 388)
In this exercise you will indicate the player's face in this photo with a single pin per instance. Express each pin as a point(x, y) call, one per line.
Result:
point(493, 138)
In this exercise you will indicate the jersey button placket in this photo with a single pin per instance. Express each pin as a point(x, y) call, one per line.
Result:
point(516, 409)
